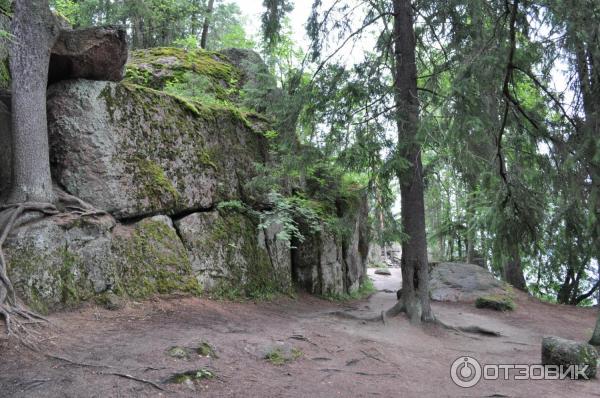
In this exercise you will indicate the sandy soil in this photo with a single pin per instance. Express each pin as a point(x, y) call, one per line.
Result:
point(340, 357)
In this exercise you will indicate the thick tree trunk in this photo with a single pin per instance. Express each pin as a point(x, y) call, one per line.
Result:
point(35, 30)
point(596, 336)
point(415, 268)
point(206, 25)
point(513, 272)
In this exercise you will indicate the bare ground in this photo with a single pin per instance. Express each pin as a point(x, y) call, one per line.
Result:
point(340, 357)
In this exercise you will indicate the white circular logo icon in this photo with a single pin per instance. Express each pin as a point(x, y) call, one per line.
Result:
point(465, 372)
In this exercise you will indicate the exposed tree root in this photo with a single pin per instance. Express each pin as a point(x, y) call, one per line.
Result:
point(106, 372)
point(399, 308)
point(16, 316)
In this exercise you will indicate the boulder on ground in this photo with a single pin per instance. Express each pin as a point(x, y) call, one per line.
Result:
point(318, 263)
point(355, 242)
point(463, 282)
point(61, 260)
point(383, 271)
point(227, 257)
point(137, 152)
point(97, 53)
point(279, 252)
point(559, 351)
point(374, 258)
point(150, 258)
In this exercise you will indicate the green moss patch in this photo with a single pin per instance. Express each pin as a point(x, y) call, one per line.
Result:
point(279, 356)
point(158, 68)
point(206, 350)
point(191, 376)
point(152, 260)
point(495, 302)
point(178, 352)
point(365, 290)
point(4, 74)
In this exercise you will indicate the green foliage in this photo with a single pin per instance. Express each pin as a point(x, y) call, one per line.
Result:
point(191, 376)
point(366, 289)
point(154, 23)
point(67, 9)
point(278, 357)
point(5, 6)
point(275, 11)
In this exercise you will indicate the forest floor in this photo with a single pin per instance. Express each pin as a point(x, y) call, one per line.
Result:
point(330, 357)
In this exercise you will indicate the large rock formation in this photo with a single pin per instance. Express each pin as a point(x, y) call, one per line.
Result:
point(318, 264)
point(332, 262)
point(135, 152)
point(98, 53)
point(176, 176)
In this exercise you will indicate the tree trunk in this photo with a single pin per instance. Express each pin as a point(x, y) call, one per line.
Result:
point(596, 336)
point(513, 272)
point(415, 268)
point(35, 30)
point(209, 11)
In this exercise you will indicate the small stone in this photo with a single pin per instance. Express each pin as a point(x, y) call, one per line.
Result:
point(111, 301)
point(383, 271)
point(178, 352)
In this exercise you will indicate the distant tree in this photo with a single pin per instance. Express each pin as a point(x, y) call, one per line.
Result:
point(206, 25)
point(272, 20)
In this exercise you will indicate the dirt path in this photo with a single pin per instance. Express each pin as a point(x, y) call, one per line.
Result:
point(339, 357)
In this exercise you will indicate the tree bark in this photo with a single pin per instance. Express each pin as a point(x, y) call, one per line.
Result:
point(415, 267)
point(35, 30)
point(513, 272)
point(209, 11)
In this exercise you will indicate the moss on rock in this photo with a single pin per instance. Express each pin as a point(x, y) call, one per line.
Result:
point(496, 302)
point(226, 257)
point(158, 68)
point(151, 260)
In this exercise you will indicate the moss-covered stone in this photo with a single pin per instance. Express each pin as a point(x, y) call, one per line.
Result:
point(58, 262)
point(191, 376)
point(158, 68)
point(496, 302)
point(559, 351)
point(151, 259)
point(151, 152)
point(225, 254)
point(282, 354)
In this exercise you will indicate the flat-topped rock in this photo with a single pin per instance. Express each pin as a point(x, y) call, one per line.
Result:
point(97, 53)
point(463, 282)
